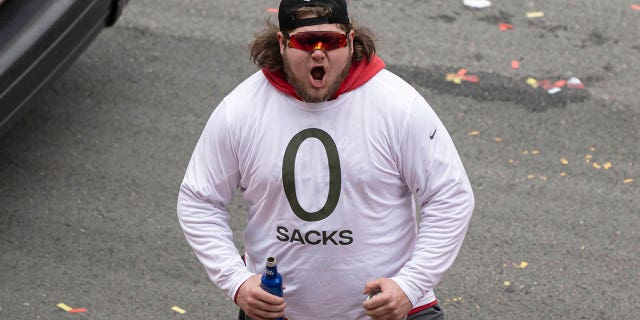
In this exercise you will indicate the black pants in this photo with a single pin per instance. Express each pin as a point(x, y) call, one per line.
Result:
point(433, 313)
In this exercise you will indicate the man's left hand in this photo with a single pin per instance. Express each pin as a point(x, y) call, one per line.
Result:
point(390, 304)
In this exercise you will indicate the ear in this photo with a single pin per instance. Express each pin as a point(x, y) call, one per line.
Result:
point(281, 41)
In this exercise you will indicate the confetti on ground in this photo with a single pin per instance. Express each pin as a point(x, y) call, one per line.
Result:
point(523, 264)
point(560, 83)
point(453, 300)
point(535, 151)
point(64, 307)
point(497, 139)
point(554, 90)
point(71, 310)
point(575, 83)
point(607, 165)
point(515, 64)
point(597, 165)
point(536, 14)
point(531, 176)
point(546, 84)
point(505, 26)
point(635, 7)
point(564, 161)
point(178, 310)
point(272, 10)
point(506, 283)
point(627, 181)
point(477, 4)
point(532, 82)
point(474, 133)
point(563, 174)
point(460, 76)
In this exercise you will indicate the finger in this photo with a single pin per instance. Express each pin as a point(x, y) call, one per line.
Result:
point(261, 310)
point(371, 285)
point(380, 312)
point(269, 298)
point(374, 302)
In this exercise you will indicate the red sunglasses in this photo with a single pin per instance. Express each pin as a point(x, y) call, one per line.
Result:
point(317, 40)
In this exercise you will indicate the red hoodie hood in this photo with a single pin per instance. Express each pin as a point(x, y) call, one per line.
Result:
point(359, 74)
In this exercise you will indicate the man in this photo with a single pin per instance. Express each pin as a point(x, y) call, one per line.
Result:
point(331, 153)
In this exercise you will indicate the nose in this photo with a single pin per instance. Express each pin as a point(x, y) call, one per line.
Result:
point(318, 54)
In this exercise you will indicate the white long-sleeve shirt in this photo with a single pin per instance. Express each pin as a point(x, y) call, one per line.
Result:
point(331, 190)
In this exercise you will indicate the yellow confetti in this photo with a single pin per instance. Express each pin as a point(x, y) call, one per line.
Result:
point(607, 165)
point(535, 151)
point(497, 139)
point(178, 310)
point(627, 181)
point(525, 152)
point(531, 176)
point(564, 161)
point(563, 174)
point(543, 178)
point(536, 14)
point(592, 148)
point(64, 307)
point(507, 283)
point(588, 156)
point(532, 82)
point(474, 133)
point(523, 264)
point(597, 165)
point(454, 78)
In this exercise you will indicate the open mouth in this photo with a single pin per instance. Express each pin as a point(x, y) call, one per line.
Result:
point(317, 74)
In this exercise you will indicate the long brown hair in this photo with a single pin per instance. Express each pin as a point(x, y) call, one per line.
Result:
point(265, 49)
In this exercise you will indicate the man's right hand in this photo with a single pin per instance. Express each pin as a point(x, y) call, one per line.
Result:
point(257, 303)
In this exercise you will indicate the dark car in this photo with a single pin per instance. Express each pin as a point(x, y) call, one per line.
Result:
point(39, 39)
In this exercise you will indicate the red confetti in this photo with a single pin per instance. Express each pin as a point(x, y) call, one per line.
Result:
point(78, 310)
point(545, 84)
point(272, 10)
point(560, 83)
point(515, 64)
point(635, 7)
point(473, 79)
point(505, 26)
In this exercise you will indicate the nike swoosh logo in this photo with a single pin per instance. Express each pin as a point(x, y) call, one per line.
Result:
point(433, 134)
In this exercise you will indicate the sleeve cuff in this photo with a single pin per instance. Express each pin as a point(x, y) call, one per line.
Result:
point(414, 298)
point(241, 280)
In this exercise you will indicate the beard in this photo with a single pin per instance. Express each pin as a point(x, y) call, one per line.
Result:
point(305, 92)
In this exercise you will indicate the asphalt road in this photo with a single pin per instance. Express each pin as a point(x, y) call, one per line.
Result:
point(89, 178)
